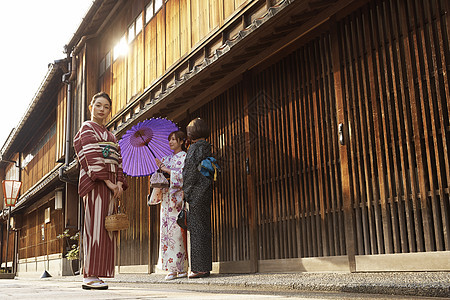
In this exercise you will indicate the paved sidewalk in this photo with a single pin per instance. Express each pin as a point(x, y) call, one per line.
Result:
point(426, 284)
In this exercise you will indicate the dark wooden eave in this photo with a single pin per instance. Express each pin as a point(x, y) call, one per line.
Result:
point(42, 105)
point(93, 21)
point(281, 26)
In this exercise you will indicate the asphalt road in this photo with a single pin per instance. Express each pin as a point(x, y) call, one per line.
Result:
point(49, 289)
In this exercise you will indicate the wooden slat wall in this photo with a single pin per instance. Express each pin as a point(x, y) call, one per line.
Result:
point(30, 240)
point(230, 224)
point(7, 256)
point(298, 180)
point(151, 59)
point(161, 42)
point(185, 27)
point(132, 63)
point(119, 84)
point(105, 81)
point(395, 60)
point(61, 115)
point(140, 52)
point(172, 31)
point(134, 242)
point(41, 164)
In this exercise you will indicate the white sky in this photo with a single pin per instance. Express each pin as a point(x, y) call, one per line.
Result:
point(33, 34)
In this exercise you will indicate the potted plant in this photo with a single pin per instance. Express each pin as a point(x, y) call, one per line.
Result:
point(72, 248)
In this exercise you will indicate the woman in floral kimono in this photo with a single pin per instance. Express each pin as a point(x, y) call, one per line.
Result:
point(101, 184)
point(173, 237)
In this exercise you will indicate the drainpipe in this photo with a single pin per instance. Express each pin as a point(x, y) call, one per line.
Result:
point(68, 78)
point(1, 245)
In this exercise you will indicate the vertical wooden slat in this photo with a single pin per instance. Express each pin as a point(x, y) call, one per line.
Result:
point(302, 170)
point(418, 129)
point(343, 153)
point(378, 135)
point(250, 149)
point(283, 168)
point(360, 163)
point(438, 127)
point(404, 192)
point(293, 142)
point(271, 119)
point(296, 142)
point(353, 162)
point(366, 132)
point(315, 218)
point(408, 80)
point(387, 102)
point(261, 172)
point(306, 160)
point(317, 102)
point(444, 94)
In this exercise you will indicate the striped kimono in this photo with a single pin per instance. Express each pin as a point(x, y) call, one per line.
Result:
point(99, 157)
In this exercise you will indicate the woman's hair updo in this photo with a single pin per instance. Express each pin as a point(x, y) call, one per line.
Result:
point(198, 129)
point(101, 95)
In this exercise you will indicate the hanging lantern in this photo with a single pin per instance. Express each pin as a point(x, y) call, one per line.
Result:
point(11, 190)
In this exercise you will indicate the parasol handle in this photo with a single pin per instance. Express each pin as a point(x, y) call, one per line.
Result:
point(146, 144)
point(150, 150)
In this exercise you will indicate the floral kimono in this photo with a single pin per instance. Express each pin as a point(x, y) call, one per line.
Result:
point(100, 159)
point(173, 237)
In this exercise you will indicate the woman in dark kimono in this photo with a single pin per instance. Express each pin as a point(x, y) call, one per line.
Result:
point(198, 194)
point(101, 184)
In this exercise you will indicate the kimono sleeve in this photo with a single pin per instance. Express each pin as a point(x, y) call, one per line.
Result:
point(89, 154)
point(176, 174)
point(120, 175)
point(190, 171)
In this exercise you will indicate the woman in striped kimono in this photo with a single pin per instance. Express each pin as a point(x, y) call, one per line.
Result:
point(101, 183)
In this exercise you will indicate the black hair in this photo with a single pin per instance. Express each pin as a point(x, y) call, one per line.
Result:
point(101, 95)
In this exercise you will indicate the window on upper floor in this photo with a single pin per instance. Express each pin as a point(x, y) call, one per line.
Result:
point(134, 29)
point(131, 32)
point(27, 157)
point(105, 63)
point(149, 11)
point(152, 8)
point(139, 24)
point(121, 48)
point(102, 67)
point(108, 60)
point(158, 5)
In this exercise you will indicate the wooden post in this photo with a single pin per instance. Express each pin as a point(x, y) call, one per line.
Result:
point(342, 118)
point(250, 169)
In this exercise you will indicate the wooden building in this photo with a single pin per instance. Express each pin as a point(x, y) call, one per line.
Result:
point(33, 155)
point(330, 120)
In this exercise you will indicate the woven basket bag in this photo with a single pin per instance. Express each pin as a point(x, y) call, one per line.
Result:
point(117, 221)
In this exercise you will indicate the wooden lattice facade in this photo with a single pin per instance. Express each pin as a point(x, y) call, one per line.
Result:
point(289, 189)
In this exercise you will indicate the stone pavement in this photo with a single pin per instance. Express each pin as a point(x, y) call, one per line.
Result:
point(426, 284)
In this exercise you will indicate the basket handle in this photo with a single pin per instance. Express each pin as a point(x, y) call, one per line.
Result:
point(118, 207)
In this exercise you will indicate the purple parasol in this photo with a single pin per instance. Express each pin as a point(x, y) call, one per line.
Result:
point(143, 143)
